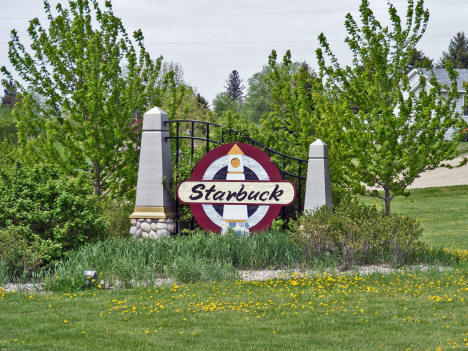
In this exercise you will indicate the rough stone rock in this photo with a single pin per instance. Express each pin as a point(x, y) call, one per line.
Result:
point(162, 233)
point(162, 220)
point(138, 225)
point(133, 221)
point(138, 233)
point(161, 226)
point(133, 229)
point(171, 228)
point(148, 220)
point(144, 235)
point(153, 235)
point(153, 226)
point(146, 227)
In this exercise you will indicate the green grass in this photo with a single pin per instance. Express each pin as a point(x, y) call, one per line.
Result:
point(198, 257)
point(443, 212)
point(462, 148)
point(400, 311)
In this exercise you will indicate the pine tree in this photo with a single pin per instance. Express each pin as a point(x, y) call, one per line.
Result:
point(202, 101)
point(234, 87)
point(419, 60)
point(457, 52)
point(10, 98)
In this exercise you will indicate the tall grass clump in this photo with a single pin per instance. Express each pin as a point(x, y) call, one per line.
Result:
point(359, 234)
point(201, 256)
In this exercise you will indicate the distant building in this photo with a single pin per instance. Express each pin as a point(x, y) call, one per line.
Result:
point(442, 77)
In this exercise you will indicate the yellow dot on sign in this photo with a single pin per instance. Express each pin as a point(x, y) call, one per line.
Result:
point(235, 162)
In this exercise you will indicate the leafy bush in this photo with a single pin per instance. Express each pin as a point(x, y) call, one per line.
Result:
point(17, 256)
point(117, 214)
point(55, 213)
point(357, 233)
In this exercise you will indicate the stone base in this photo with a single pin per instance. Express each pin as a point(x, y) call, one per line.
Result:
point(153, 228)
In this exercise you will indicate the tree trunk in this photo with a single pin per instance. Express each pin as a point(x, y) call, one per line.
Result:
point(387, 200)
point(97, 179)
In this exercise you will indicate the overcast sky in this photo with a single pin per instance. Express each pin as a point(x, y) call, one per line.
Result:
point(210, 38)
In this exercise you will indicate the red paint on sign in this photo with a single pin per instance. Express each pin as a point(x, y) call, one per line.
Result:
point(245, 151)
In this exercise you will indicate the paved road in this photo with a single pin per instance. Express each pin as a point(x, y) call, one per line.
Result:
point(443, 176)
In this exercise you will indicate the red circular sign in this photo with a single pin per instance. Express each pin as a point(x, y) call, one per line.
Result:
point(251, 173)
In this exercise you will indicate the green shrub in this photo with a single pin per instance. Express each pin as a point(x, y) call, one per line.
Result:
point(18, 256)
point(117, 214)
point(57, 213)
point(358, 233)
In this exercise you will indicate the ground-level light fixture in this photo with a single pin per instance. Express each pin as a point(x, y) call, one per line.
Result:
point(90, 275)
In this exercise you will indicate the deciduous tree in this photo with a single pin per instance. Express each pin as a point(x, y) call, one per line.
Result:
point(83, 84)
point(388, 132)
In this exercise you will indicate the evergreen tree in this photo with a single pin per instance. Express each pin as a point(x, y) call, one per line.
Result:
point(202, 101)
point(234, 87)
point(10, 98)
point(457, 52)
point(419, 60)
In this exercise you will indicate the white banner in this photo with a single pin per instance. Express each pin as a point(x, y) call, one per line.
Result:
point(236, 192)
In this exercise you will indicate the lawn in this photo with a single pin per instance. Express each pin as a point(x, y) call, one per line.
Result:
point(400, 311)
point(404, 310)
point(443, 212)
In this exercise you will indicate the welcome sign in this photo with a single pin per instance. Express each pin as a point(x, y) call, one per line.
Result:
point(236, 186)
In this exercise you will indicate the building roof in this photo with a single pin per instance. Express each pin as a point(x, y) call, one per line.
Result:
point(443, 78)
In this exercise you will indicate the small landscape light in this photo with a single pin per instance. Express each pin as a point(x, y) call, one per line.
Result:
point(89, 275)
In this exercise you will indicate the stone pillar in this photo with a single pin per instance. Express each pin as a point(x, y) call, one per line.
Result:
point(154, 216)
point(318, 184)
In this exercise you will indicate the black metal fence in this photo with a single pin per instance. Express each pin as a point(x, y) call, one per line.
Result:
point(192, 139)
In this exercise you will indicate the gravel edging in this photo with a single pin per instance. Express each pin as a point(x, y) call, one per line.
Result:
point(257, 275)
point(250, 275)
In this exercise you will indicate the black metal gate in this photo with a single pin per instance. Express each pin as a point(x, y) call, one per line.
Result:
point(192, 139)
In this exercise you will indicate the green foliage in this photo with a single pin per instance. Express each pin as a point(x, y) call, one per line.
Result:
point(128, 261)
point(19, 257)
point(85, 87)
point(223, 103)
point(292, 123)
point(457, 52)
point(117, 214)
point(384, 133)
point(7, 125)
point(258, 99)
point(358, 233)
point(55, 213)
point(440, 210)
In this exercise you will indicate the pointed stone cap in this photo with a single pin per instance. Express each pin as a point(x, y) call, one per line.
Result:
point(155, 120)
point(318, 149)
point(235, 150)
